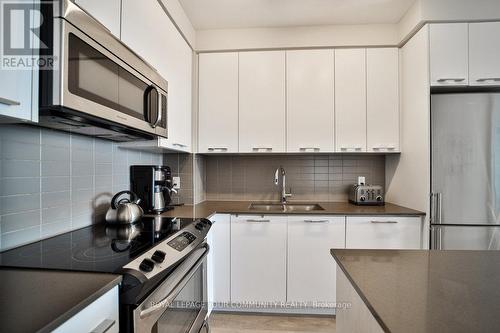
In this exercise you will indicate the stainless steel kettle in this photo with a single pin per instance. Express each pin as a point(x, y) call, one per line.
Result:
point(125, 210)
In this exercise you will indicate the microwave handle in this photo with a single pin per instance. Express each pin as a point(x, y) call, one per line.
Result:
point(148, 104)
point(158, 117)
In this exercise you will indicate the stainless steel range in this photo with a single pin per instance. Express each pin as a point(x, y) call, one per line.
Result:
point(162, 260)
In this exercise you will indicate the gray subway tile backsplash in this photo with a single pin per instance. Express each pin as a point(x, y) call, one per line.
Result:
point(52, 182)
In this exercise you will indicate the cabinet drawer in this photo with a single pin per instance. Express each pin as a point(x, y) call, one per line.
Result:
point(99, 316)
point(383, 232)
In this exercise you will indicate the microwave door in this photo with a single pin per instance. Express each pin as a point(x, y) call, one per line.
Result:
point(98, 83)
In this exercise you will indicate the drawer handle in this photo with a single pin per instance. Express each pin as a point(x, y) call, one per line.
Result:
point(7, 101)
point(451, 79)
point(316, 221)
point(104, 326)
point(179, 145)
point(217, 148)
point(258, 221)
point(384, 222)
point(488, 79)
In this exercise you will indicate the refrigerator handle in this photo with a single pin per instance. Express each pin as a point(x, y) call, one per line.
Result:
point(439, 208)
point(436, 239)
point(436, 208)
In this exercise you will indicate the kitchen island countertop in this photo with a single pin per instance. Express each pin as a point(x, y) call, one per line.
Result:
point(426, 291)
point(33, 300)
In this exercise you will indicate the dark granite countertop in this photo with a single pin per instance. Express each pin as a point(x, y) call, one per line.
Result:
point(427, 291)
point(207, 208)
point(41, 300)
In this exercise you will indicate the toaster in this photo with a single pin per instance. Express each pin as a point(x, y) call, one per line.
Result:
point(368, 195)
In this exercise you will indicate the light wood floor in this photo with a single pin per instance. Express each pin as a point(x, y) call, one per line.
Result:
point(250, 323)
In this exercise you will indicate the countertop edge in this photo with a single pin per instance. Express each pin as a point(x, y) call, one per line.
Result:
point(360, 293)
point(82, 305)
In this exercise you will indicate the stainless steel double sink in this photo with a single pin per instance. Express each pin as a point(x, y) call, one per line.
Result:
point(287, 207)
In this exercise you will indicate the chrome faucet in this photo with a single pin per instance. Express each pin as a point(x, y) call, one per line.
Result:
point(283, 195)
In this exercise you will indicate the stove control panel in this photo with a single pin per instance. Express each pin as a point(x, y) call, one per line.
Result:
point(171, 250)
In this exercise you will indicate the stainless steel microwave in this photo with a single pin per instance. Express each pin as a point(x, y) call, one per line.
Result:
point(97, 86)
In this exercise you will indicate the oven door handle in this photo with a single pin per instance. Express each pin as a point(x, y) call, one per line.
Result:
point(186, 276)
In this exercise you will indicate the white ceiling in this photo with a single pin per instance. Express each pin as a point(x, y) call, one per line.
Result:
point(222, 14)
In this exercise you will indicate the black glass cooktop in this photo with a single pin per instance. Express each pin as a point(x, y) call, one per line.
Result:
point(98, 248)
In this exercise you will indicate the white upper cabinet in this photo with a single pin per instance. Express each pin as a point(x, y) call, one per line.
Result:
point(311, 270)
point(382, 82)
point(218, 103)
point(148, 30)
point(350, 100)
point(484, 53)
point(449, 54)
point(106, 12)
point(262, 102)
point(310, 100)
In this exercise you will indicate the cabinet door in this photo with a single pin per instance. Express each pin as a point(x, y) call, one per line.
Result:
point(106, 12)
point(258, 258)
point(311, 270)
point(148, 30)
point(262, 102)
point(19, 85)
point(449, 54)
point(382, 91)
point(218, 102)
point(484, 52)
point(383, 232)
point(310, 100)
point(350, 100)
point(218, 261)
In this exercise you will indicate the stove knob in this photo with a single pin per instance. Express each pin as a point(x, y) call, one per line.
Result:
point(158, 256)
point(199, 226)
point(379, 198)
point(147, 265)
point(206, 221)
point(362, 198)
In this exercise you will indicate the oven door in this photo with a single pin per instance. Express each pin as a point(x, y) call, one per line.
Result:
point(95, 81)
point(179, 303)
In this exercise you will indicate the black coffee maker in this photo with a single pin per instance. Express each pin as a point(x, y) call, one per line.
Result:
point(153, 185)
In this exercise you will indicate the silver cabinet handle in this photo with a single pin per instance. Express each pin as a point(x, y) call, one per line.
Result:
point(7, 101)
point(451, 79)
point(257, 221)
point(384, 222)
point(309, 148)
point(217, 149)
point(316, 221)
point(355, 148)
point(104, 326)
point(262, 148)
point(386, 147)
point(488, 79)
point(179, 145)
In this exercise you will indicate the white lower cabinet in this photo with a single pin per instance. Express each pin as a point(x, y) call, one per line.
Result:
point(311, 268)
point(100, 316)
point(258, 259)
point(219, 261)
point(383, 232)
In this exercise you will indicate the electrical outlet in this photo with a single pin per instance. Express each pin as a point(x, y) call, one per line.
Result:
point(361, 180)
point(176, 183)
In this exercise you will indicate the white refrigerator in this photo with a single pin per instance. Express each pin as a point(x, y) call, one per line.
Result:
point(465, 173)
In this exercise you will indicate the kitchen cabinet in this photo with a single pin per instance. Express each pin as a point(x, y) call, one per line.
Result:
point(262, 102)
point(258, 258)
point(311, 269)
point(148, 30)
point(382, 99)
point(100, 316)
point(449, 50)
point(350, 100)
point(19, 86)
point(218, 261)
point(383, 232)
point(310, 100)
point(484, 52)
point(106, 12)
point(218, 102)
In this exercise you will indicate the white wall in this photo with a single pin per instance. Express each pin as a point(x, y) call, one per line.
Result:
point(408, 174)
point(291, 37)
point(180, 19)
